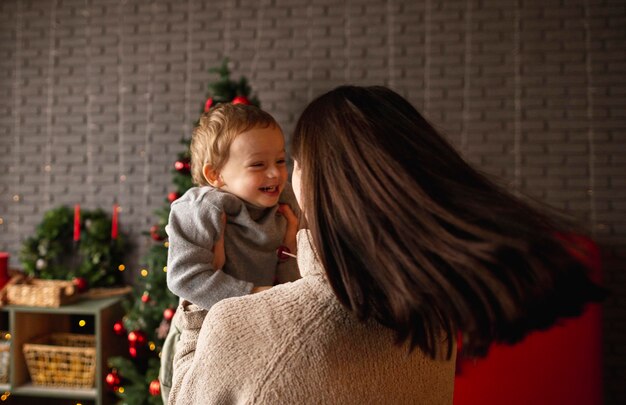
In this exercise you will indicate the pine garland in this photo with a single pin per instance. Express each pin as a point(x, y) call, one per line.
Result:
point(52, 254)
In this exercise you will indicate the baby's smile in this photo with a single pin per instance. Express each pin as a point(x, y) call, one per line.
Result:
point(269, 189)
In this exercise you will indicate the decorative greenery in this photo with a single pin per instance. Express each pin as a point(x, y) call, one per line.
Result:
point(52, 254)
point(146, 310)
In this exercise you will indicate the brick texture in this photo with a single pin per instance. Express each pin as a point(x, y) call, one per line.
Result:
point(96, 94)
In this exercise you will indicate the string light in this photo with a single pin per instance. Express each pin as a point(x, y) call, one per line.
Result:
point(120, 390)
point(166, 244)
point(144, 273)
point(152, 346)
point(7, 336)
point(164, 269)
point(82, 323)
point(16, 198)
point(121, 267)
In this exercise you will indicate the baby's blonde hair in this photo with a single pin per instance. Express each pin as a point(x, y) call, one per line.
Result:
point(215, 132)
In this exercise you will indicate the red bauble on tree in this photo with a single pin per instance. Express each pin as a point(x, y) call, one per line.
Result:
point(168, 314)
point(80, 283)
point(113, 380)
point(145, 297)
point(208, 104)
point(118, 328)
point(137, 344)
point(182, 166)
point(241, 100)
point(155, 388)
point(137, 337)
point(156, 233)
point(173, 196)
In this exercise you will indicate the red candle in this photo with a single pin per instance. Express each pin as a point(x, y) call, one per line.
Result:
point(4, 268)
point(76, 223)
point(114, 223)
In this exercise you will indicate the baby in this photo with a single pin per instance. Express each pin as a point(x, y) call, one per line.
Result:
point(238, 162)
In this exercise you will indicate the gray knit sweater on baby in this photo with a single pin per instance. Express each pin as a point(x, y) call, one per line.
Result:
point(251, 238)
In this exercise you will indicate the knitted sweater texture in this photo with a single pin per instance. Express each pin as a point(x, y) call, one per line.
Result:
point(295, 344)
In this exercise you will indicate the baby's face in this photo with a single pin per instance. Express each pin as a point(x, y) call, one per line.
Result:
point(256, 169)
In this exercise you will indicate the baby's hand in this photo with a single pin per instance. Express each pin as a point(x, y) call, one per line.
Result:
point(292, 227)
point(219, 256)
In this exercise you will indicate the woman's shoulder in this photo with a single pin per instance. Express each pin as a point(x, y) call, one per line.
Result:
point(284, 302)
point(264, 323)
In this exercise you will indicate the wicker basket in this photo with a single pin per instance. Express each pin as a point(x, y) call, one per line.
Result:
point(5, 346)
point(62, 360)
point(42, 293)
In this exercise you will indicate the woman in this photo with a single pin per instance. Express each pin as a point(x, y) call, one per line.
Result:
point(406, 247)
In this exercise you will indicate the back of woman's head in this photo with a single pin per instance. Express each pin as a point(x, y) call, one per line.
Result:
point(412, 236)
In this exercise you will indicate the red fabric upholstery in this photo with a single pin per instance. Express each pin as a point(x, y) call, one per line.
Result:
point(562, 365)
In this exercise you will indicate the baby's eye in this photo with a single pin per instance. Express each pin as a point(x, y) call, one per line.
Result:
point(257, 164)
point(281, 161)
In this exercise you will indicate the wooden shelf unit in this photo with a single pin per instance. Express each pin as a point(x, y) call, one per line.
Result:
point(25, 323)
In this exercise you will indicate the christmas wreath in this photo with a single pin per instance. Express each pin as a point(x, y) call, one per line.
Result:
point(53, 253)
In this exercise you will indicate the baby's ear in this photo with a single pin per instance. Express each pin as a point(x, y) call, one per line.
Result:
point(212, 176)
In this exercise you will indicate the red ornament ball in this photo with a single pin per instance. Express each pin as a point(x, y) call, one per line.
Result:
point(137, 337)
point(118, 328)
point(208, 104)
point(155, 388)
point(241, 100)
point(155, 233)
point(145, 297)
point(80, 283)
point(173, 196)
point(168, 314)
point(182, 166)
point(132, 351)
point(113, 380)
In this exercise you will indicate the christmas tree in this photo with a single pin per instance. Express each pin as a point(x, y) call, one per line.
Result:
point(149, 312)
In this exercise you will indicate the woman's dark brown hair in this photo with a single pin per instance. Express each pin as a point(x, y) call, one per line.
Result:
point(410, 235)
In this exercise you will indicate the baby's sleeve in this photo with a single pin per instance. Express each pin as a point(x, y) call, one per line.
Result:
point(192, 230)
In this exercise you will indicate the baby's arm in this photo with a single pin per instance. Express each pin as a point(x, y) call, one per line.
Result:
point(193, 229)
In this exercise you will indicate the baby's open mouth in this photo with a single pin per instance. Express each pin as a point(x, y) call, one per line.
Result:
point(270, 189)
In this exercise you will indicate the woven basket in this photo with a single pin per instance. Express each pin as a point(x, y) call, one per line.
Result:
point(62, 360)
point(42, 293)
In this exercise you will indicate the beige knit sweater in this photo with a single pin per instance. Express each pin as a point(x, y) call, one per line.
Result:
point(295, 344)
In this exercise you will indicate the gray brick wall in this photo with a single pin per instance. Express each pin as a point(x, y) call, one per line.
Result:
point(95, 95)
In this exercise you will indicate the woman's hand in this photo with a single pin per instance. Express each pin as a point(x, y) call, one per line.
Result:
point(219, 255)
point(292, 227)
